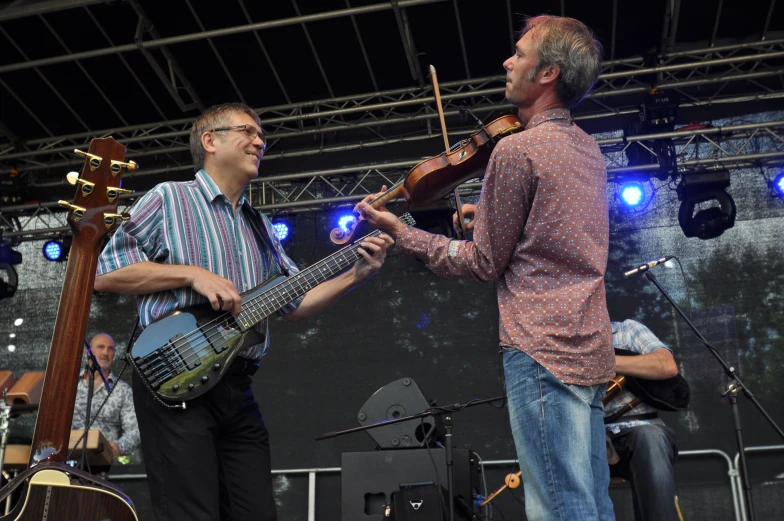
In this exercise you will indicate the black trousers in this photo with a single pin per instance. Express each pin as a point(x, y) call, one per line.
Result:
point(210, 461)
point(647, 455)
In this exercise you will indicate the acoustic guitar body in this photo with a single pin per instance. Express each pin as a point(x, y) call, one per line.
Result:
point(53, 494)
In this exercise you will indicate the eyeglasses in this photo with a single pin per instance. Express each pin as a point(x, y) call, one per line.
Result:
point(249, 131)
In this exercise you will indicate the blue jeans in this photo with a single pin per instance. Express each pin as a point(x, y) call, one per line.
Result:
point(558, 431)
point(647, 455)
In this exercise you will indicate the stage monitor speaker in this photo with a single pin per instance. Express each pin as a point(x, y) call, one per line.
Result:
point(395, 400)
point(368, 479)
point(419, 502)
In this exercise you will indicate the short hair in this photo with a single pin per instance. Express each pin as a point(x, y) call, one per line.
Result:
point(214, 117)
point(107, 335)
point(571, 46)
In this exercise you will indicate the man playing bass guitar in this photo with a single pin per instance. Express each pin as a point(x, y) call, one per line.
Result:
point(193, 242)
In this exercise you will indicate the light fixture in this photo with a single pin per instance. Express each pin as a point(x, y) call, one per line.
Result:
point(8, 258)
point(282, 229)
point(697, 188)
point(11, 348)
point(56, 250)
point(778, 185)
point(632, 194)
point(344, 221)
point(18, 321)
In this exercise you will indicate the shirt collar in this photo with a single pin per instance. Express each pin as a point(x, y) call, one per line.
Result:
point(112, 378)
point(549, 115)
point(211, 190)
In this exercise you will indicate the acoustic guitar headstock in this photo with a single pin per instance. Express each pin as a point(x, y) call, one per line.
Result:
point(93, 211)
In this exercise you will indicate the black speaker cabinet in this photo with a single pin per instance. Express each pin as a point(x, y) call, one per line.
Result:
point(396, 400)
point(422, 502)
point(368, 479)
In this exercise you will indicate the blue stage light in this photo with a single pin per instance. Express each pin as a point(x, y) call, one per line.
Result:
point(344, 222)
point(632, 194)
point(282, 229)
point(54, 251)
point(778, 184)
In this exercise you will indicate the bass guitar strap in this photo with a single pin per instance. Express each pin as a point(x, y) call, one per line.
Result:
point(254, 217)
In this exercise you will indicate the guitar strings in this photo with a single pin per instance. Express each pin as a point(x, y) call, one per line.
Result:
point(204, 346)
point(164, 366)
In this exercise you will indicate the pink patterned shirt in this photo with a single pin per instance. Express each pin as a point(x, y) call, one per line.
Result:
point(542, 232)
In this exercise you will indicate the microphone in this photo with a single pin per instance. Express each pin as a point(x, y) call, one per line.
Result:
point(647, 266)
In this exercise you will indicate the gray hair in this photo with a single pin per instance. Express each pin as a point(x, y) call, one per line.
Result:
point(569, 45)
point(214, 117)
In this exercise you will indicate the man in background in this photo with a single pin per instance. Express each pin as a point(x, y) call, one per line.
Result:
point(117, 418)
point(646, 446)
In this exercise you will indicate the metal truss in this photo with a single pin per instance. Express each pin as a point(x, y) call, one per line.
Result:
point(708, 76)
point(704, 147)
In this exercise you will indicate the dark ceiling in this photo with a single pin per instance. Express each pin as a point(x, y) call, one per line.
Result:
point(71, 70)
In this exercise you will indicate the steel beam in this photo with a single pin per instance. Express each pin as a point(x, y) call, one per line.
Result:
point(266, 54)
point(313, 50)
point(362, 48)
point(84, 71)
point(215, 33)
point(462, 40)
point(45, 80)
point(44, 7)
point(127, 65)
point(216, 53)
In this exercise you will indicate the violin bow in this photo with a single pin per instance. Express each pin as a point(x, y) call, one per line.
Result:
point(434, 79)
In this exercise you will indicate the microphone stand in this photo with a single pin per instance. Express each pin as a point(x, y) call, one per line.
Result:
point(733, 387)
point(92, 367)
point(446, 410)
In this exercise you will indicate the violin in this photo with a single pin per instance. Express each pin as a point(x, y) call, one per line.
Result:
point(435, 177)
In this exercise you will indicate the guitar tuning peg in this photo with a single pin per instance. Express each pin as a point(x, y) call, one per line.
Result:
point(110, 219)
point(95, 161)
point(87, 186)
point(112, 192)
point(78, 211)
point(117, 166)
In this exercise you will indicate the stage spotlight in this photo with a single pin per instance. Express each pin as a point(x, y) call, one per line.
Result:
point(632, 194)
point(778, 185)
point(696, 188)
point(9, 280)
point(345, 220)
point(56, 250)
point(282, 229)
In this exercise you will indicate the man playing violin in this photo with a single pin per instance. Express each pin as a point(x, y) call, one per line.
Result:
point(542, 232)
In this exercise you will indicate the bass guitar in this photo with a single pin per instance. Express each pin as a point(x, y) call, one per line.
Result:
point(50, 489)
point(185, 353)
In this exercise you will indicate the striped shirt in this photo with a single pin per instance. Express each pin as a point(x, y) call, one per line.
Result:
point(635, 337)
point(193, 223)
point(541, 231)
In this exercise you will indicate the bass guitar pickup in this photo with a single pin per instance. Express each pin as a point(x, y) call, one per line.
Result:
point(184, 348)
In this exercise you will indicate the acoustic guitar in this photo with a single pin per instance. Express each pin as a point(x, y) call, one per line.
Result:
point(51, 490)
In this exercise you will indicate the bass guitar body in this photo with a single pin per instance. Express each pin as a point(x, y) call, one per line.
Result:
point(184, 354)
point(53, 493)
